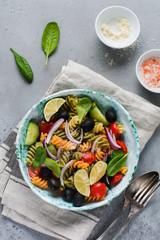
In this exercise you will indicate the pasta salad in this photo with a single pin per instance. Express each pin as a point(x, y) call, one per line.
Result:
point(75, 151)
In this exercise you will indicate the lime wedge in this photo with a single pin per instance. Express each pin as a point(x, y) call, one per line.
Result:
point(97, 172)
point(81, 182)
point(95, 113)
point(52, 107)
point(53, 165)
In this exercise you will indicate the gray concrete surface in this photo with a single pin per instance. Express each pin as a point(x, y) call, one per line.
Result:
point(21, 25)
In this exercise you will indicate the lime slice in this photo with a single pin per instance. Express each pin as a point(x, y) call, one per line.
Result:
point(52, 107)
point(54, 166)
point(81, 182)
point(97, 172)
point(95, 113)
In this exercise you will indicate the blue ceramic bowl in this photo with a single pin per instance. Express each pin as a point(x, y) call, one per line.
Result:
point(103, 102)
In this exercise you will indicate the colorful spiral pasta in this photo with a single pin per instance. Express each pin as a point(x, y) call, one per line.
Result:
point(31, 155)
point(79, 164)
point(39, 182)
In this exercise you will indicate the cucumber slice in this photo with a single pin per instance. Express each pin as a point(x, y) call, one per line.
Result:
point(32, 134)
point(95, 113)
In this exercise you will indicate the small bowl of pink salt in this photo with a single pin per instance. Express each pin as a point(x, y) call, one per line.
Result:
point(148, 70)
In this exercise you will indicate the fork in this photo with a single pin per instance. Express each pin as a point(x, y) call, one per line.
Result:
point(138, 193)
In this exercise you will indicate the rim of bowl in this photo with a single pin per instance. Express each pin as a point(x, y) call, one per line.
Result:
point(127, 9)
point(85, 207)
point(145, 54)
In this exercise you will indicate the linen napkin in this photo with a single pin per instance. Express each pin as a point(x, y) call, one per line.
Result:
point(22, 205)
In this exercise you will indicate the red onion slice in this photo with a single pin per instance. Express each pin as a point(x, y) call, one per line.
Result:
point(94, 144)
point(63, 170)
point(50, 155)
point(69, 136)
point(106, 154)
point(54, 128)
point(43, 166)
point(111, 139)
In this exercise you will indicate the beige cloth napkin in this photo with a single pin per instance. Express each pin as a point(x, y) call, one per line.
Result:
point(22, 205)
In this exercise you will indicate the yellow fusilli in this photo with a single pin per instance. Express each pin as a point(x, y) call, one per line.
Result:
point(39, 182)
point(85, 146)
point(31, 155)
point(43, 135)
point(79, 164)
point(99, 155)
point(65, 144)
point(95, 199)
point(123, 170)
point(73, 122)
point(98, 128)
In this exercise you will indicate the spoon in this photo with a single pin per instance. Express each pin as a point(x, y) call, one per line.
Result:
point(138, 193)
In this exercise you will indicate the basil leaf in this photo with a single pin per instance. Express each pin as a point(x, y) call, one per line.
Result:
point(116, 164)
point(40, 157)
point(83, 107)
point(50, 39)
point(23, 66)
point(53, 165)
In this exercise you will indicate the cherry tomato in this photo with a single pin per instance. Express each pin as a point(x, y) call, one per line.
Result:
point(34, 172)
point(113, 128)
point(45, 128)
point(42, 121)
point(88, 157)
point(122, 145)
point(116, 178)
point(98, 189)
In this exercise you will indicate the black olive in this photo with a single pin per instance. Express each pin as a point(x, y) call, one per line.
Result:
point(53, 184)
point(78, 200)
point(88, 125)
point(63, 115)
point(111, 115)
point(68, 194)
point(46, 172)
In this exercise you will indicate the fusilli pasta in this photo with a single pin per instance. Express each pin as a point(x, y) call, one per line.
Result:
point(39, 182)
point(79, 164)
point(31, 155)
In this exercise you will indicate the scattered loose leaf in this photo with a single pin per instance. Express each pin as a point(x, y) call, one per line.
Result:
point(50, 39)
point(23, 66)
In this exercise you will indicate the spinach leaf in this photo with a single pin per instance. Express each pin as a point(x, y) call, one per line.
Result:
point(83, 107)
point(40, 157)
point(116, 163)
point(23, 66)
point(50, 39)
point(53, 165)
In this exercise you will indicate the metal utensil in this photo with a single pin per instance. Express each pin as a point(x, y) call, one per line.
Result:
point(138, 193)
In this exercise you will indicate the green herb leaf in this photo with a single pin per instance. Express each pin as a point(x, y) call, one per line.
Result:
point(83, 107)
point(50, 38)
point(53, 165)
point(23, 66)
point(116, 163)
point(40, 157)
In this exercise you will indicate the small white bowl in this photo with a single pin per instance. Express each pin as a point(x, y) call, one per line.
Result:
point(117, 12)
point(141, 60)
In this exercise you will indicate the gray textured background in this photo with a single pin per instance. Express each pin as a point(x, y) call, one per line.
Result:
point(21, 26)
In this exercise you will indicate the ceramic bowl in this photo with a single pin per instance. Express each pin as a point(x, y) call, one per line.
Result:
point(131, 140)
point(117, 12)
point(141, 60)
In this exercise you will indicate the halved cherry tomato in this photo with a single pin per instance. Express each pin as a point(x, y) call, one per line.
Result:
point(116, 178)
point(45, 128)
point(88, 157)
point(123, 146)
point(98, 189)
point(113, 128)
point(34, 172)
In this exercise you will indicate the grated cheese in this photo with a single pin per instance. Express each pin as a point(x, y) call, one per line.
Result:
point(117, 30)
